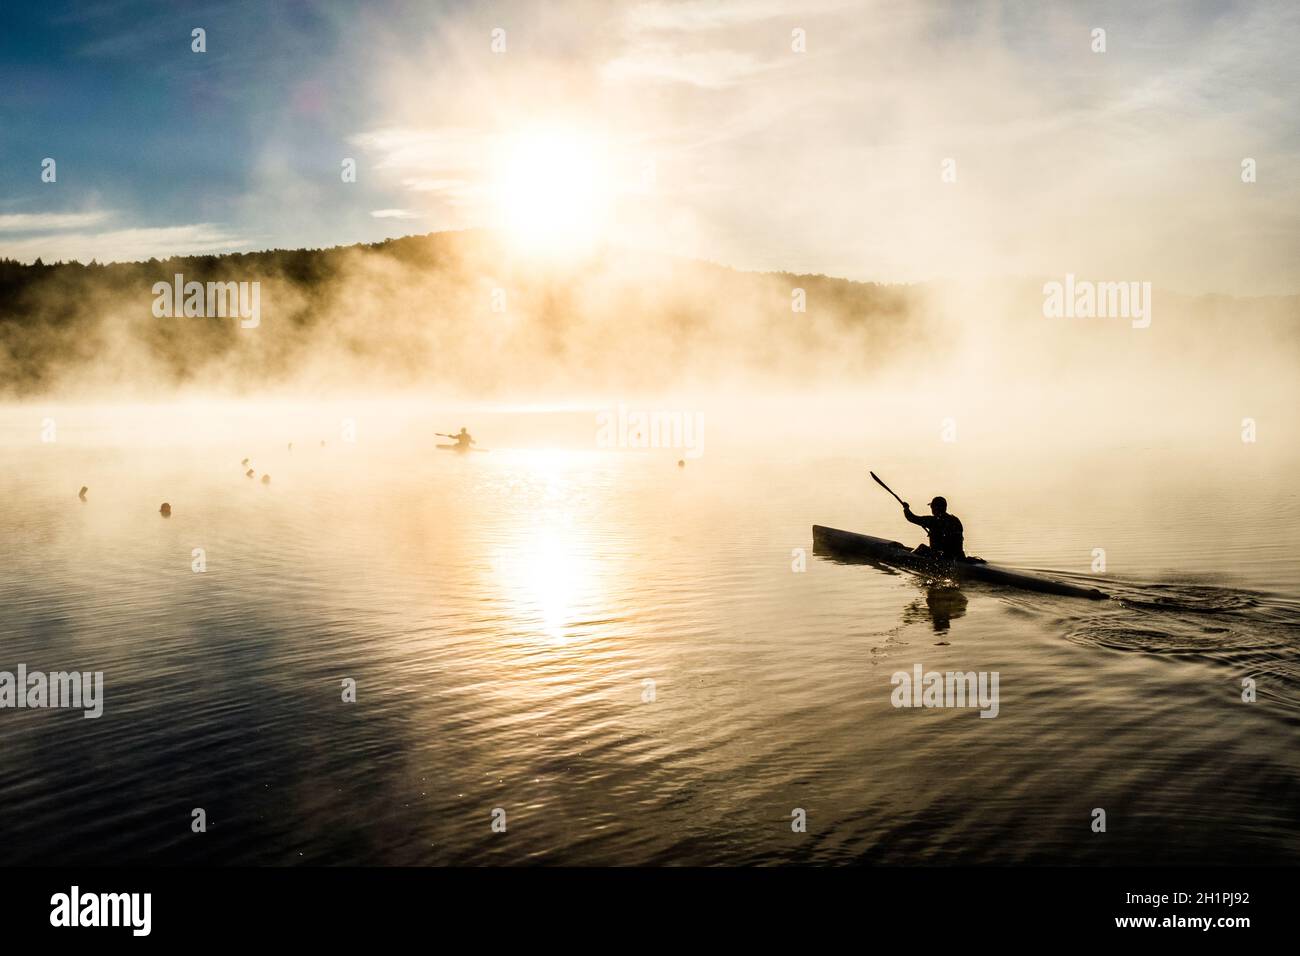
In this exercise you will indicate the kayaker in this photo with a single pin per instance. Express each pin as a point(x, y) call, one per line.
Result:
point(463, 439)
point(945, 530)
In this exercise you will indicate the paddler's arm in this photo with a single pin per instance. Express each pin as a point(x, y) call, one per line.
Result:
point(922, 520)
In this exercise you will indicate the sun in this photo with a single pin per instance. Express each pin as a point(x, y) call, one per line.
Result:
point(552, 190)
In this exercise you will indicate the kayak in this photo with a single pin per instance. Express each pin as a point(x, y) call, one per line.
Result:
point(460, 448)
point(888, 552)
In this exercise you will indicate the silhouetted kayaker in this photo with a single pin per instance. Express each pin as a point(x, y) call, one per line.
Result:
point(945, 530)
point(463, 440)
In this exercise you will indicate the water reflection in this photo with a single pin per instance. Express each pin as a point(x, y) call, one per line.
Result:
point(943, 603)
point(944, 600)
point(546, 577)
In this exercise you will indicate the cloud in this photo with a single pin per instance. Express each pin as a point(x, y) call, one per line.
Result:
point(712, 69)
point(447, 186)
point(126, 245)
point(51, 221)
point(708, 45)
point(711, 14)
point(441, 148)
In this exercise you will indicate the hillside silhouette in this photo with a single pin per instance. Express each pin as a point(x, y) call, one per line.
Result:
point(450, 310)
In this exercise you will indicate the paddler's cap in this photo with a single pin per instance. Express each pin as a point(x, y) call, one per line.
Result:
point(940, 501)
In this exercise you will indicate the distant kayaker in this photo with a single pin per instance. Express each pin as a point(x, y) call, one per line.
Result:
point(945, 530)
point(463, 439)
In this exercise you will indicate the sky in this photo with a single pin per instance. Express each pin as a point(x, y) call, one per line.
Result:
point(881, 141)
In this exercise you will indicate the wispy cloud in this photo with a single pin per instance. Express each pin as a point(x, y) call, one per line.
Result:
point(712, 69)
point(447, 186)
point(713, 14)
point(443, 165)
point(126, 245)
point(51, 221)
point(704, 44)
point(448, 149)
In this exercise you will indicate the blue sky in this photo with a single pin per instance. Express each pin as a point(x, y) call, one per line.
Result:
point(158, 136)
point(1122, 165)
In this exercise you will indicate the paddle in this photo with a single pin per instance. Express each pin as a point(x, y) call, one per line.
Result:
point(886, 487)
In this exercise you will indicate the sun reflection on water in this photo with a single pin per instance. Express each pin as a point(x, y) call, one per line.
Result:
point(546, 573)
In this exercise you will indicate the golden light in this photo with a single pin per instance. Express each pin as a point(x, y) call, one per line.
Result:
point(547, 574)
point(552, 190)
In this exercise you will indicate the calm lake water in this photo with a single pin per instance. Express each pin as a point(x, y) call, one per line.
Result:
point(503, 613)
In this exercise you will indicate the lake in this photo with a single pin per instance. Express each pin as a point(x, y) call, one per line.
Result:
point(617, 659)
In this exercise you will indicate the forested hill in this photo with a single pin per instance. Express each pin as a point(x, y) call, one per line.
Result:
point(450, 309)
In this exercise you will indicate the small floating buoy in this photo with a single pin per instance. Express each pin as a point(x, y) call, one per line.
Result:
point(266, 479)
point(681, 462)
point(165, 510)
point(291, 446)
point(82, 493)
point(322, 443)
point(244, 462)
point(249, 473)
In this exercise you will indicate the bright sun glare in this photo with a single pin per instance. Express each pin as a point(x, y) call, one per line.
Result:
point(552, 190)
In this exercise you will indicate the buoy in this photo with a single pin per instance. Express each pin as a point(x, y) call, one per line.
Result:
point(244, 462)
point(291, 446)
point(82, 493)
point(266, 479)
point(681, 462)
point(249, 473)
point(165, 510)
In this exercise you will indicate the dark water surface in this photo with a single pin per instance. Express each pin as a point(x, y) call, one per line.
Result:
point(503, 613)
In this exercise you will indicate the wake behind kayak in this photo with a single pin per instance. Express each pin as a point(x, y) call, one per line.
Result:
point(849, 543)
